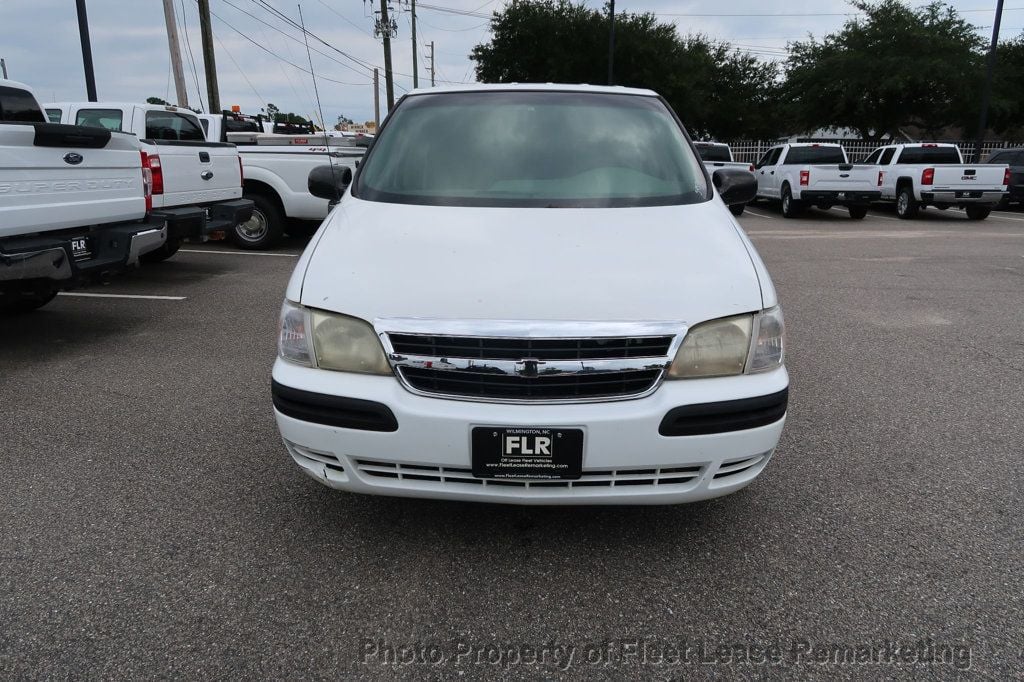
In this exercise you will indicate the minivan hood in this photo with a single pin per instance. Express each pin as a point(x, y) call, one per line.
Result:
point(668, 263)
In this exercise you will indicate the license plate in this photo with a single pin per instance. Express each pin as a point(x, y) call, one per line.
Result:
point(528, 453)
point(842, 195)
point(81, 248)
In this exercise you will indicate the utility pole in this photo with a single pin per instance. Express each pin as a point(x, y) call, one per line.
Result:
point(415, 74)
point(3, 68)
point(431, 63)
point(987, 93)
point(611, 45)
point(175, 48)
point(376, 96)
point(209, 61)
point(83, 34)
point(385, 32)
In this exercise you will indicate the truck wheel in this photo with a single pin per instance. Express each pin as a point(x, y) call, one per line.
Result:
point(737, 209)
point(906, 205)
point(27, 299)
point(263, 230)
point(978, 212)
point(791, 208)
point(169, 248)
point(858, 212)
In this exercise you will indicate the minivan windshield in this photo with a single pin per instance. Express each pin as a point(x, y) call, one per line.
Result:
point(532, 149)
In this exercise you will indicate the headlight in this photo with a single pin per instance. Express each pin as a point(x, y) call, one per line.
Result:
point(292, 338)
point(731, 346)
point(714, 349)
point(347, 344)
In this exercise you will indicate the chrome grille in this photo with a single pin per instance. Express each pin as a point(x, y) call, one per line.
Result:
point(529, 361)
point(556, 387)
point(482, 348)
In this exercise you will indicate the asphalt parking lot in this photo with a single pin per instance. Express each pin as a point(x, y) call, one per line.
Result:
point(152, 522)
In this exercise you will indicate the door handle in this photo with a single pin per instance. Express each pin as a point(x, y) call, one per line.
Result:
point(773, 172)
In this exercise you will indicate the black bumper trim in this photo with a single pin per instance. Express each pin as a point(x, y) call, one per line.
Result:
point(723, 417)
point(191, 221)
point(332, 410)
point(50, 256)
point(855, 197)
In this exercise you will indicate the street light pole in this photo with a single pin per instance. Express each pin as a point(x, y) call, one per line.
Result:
point(611, 45)
point(987, 92)
point(83, 34)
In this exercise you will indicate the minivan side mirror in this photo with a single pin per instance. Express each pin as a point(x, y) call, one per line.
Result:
point(329, 182)
point(735, 185)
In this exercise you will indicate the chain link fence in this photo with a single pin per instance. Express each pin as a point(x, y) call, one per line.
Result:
point(749, 151)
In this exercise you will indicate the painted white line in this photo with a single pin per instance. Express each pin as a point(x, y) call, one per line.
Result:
point(760, 215)
point(85, 294)
point(870, 215)
point(242, 253)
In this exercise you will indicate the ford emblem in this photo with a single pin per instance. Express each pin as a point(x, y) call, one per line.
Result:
point(73, 158)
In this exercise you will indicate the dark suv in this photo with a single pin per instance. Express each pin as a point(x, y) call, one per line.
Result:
point(1014, 158)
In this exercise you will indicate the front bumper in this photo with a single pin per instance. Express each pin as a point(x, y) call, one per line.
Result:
point(843, 198)
point(625, 460)
point(51, 256)
point(198, 222)
point(963, 197)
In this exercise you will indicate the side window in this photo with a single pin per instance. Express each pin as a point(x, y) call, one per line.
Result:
point(19, 105)
point(53, 115)
point(873, 157)
point(170, 125)
point(774, 158)
point(99, 118)
point(206, 126)
point(763, 161)
point(887, 155)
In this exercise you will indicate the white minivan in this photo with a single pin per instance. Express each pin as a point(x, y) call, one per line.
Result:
point(511, 304)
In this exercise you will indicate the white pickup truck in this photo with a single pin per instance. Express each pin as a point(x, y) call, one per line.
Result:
point(933, 174)
point(277, 168)
point(197, 185)
point(811, 174)
point(716, 155)
point(73, 203)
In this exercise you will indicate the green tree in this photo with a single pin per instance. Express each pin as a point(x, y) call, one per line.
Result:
point(343, 120)
point(157, 100)
point(272, 111)
point(715, 90)
point(1006, 111)
point(894, 66)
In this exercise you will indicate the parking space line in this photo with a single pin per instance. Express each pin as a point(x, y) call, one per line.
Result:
point(242, 253)
point(85, 294)
point(760, 215)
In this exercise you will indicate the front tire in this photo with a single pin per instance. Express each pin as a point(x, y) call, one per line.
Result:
point(791, 208)
point(858, 212)
point(978, 212)
point(906, 204)
point(263, 230)
point(737, 209)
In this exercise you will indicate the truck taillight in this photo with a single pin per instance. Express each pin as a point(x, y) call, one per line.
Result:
point(751, 168)
point(805, 178)
point(241, 172)
point(147, 181)
point(927, 176)
point(1006, 176)
point(152, 161)
point(881, 174)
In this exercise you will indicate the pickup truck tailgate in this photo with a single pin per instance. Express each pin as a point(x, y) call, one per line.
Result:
point(985, 176)
point(47, 182)
point(197, 173)
point(832, 178)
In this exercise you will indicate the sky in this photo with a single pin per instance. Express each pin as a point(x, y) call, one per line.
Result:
point(261, 58)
